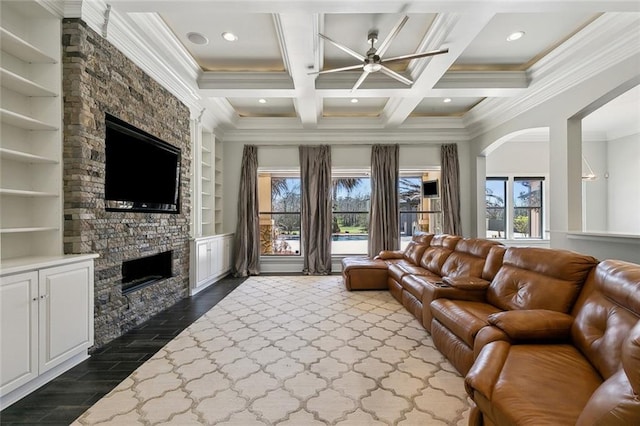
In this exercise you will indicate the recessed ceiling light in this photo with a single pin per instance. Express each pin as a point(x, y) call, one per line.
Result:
point(446, 100)
point(262, 101)
point(197, 38)
point(229, 36)
point(354, 101)
point(515, 36)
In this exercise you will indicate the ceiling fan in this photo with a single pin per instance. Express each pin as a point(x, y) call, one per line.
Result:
point(373, 61)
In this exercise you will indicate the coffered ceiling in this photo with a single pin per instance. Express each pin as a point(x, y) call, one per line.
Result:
point(268, 76)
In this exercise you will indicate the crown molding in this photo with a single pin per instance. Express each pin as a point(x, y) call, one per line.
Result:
point(572, 63)
point(57, 7)
point(343, 137)
point(211, 82)
point(123, 35)
point(166, 42)
point(483, 80)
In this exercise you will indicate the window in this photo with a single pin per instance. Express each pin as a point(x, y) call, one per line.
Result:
point(419, 210)
point(527, 207)
point(496, 196)
point(279, 202)
point(514, 207)
point(351, 204)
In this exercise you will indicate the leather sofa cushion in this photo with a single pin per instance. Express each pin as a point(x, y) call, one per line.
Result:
point(414, 252)
point(538, 384)
point(462, 317)
point(515, 288)
point(493, 262)
point(434, 258)
point(415, 284)
point(604, 315)
point(400, 269)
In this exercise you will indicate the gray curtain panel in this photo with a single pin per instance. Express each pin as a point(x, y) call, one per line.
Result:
point(247, 238)
point(450, 189)
point(315, 227)
point(384, 233)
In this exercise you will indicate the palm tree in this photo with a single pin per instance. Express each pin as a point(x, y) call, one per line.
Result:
point(278, 187)
point(348, 184)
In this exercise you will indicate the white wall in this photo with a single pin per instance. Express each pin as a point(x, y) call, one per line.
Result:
point(594, 193)
point(520, 157)
point(623, 183)
point(564, 166)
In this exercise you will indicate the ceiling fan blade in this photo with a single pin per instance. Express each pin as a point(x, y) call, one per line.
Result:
point(392, 73)
point(343, 48)
point(394, 32)
point(416, 55)
point(360, 80)
point(349, 68)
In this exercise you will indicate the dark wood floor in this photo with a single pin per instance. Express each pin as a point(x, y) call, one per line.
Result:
point(65, 398)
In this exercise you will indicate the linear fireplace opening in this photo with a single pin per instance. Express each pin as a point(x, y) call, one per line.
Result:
point(141, 272)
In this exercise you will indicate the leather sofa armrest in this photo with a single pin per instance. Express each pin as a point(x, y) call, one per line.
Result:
point(390, 254)
point(466, 283)
point(486, 369)
point(533, 324)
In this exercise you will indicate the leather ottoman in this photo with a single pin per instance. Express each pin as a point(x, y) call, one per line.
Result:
point(362, 273)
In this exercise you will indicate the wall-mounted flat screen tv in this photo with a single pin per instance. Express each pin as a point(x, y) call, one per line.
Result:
point(430, 188)
point(142, 171)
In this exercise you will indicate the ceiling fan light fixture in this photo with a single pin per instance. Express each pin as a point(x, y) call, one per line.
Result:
point(354, 101)
point(229, 36)
point(515, 36)
point(372, 67)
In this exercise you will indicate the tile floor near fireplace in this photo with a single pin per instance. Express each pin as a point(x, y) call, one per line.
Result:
point(65, 398)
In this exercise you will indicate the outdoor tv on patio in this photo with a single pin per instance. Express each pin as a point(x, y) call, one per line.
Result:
point(430, 188)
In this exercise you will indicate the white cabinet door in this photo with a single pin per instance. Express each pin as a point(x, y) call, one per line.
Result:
point(226, 254)
point(217, 256)
point(18, 330)
point(66, 312)
point(203, 261)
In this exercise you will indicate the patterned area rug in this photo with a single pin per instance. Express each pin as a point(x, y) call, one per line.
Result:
point(293, 350)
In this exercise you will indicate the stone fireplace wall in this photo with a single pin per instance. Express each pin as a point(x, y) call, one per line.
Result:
point(99, 79)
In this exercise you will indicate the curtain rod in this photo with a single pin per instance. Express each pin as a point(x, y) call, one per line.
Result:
point(346, 145)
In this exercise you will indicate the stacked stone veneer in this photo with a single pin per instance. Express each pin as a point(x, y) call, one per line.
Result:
point(99, 79)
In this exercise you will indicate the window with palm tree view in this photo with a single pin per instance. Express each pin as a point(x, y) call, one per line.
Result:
point(279, 200)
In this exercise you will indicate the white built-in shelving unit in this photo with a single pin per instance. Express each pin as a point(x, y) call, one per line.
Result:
point(210, 248)
point(207, 163)
point(40, 336)
point(31, 134)
point(218, 187)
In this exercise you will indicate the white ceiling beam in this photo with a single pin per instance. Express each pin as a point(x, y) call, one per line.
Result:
point(452, 31)
point(387, 6)
point(297, 44)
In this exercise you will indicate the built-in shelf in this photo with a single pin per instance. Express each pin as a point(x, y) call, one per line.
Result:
point(17, 83)
point(24, 122)
point(24, 157)
point(22, 49)
point(31, 79)
point(26, 230)
point(26, 193)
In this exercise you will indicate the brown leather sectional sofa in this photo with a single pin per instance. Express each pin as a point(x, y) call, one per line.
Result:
point(543, 336)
